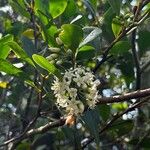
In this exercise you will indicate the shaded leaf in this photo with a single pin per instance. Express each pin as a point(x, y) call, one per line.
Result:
point(122, 127)
point(143, 41)
point(91, 120)
point(104, 111)
point(94, 34)
point(86, 52)
point(23, 146)
point(115, 5)
point(144, 143)
point(120, 47)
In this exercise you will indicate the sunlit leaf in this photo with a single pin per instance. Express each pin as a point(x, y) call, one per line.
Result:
point(20, 52)
point(4, 49)
point(71, 35)
point(116, 27)
point(57, 7)
point(45, 64)
point(8, 68)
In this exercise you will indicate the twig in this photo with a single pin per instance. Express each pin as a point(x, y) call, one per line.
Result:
point(136, 60)
point(124, 97)
point(124, 32)
point(103, 100)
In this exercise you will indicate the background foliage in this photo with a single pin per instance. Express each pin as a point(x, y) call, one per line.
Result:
point(43, 38)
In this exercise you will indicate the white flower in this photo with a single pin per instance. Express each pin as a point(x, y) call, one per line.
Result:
point(77, 88)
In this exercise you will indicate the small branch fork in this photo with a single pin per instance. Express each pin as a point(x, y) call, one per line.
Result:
point(104, 100)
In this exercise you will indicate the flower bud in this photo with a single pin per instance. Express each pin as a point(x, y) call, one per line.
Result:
point(59, 41)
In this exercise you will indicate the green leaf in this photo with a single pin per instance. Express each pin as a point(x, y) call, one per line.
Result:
point(116, 27)
point(91, 120)
point(70, 10)
point(43, 6)
point(107, 26)
point(94, 3)
point(122, 127)
point(23, 146)
point(143, 41)
point(57, 7)
point(20, 52)
point(120, 47)
point(104, 111)
point(44, 63)
point(86, 52)
point(49, 35)
point(28, 46)
point(144, 144)
point(115, 5)
point(4, 49)
point(94, 34)
point(19, 7)
point(71, 35)
point(8, 68)
point(6, 39)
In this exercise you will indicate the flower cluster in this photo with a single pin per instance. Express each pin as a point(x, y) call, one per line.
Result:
point(76, 90)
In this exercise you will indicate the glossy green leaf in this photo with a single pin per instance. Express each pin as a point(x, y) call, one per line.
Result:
point(49, 35)
point(4, 49)
point(94, 34)
point(70, 10)
point(43, 6)
point(6, 38)
point(57, 7)
point(86, 52)
point(44, 63)
point(8, 68)
point(19, 7)
point(115, 5)
point(20, 52)
point(116, 27)
point(121, 47)
point(71, 35)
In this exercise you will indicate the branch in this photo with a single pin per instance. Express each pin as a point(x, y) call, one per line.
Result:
point(136, 60)
point(61, 122)
point(115, 117)
point(124, 97)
